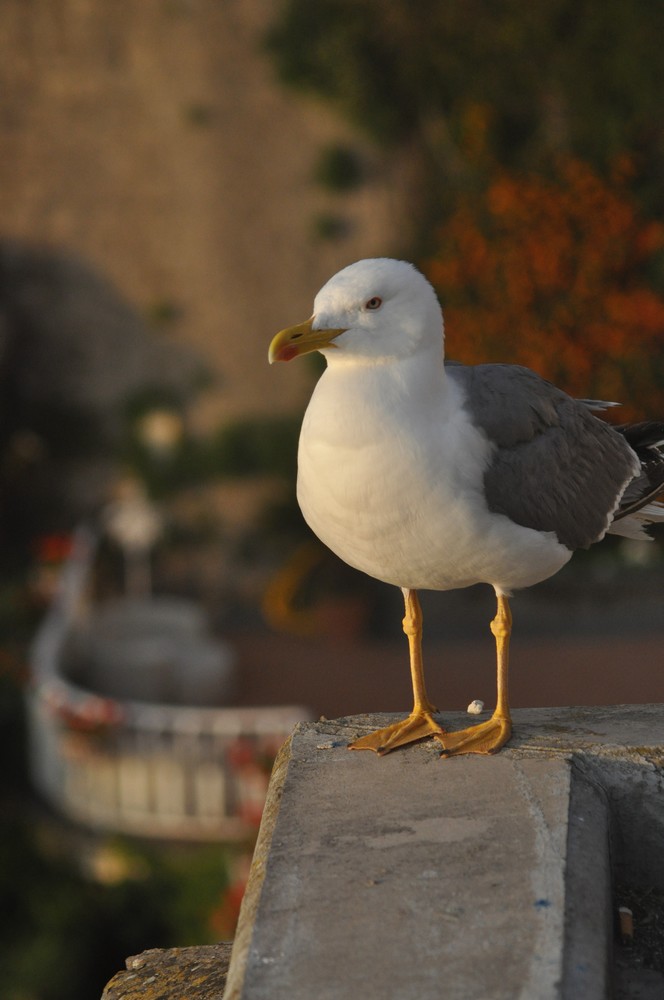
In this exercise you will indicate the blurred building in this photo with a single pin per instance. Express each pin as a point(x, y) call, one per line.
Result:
point(153, 141)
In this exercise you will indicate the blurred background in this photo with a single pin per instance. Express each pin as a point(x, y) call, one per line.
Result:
point(177, 180)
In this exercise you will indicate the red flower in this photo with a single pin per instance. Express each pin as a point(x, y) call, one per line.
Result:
point(53, 548)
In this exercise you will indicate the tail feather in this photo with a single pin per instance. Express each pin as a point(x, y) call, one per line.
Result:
point(642, 502)
point(638, 524)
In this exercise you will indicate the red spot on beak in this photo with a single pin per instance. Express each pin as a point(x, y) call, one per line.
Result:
point(287, 353)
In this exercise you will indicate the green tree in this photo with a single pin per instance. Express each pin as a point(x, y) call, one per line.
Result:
point(473, 83)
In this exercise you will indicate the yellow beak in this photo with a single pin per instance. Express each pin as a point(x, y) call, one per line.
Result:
point(301, 339)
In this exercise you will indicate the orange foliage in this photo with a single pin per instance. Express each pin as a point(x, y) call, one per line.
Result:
point(552, 274)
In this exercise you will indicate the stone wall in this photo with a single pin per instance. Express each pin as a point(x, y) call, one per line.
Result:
point(152, 139)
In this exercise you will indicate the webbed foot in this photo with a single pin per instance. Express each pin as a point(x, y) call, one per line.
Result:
point(420, 723)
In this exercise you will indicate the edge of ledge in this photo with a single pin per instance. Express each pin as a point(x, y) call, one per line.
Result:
point(251, 898)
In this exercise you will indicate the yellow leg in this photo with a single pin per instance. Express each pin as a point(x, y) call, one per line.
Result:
point(420, 722)
point(490, 736)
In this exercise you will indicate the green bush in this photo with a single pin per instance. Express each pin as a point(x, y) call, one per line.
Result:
point(339, 169)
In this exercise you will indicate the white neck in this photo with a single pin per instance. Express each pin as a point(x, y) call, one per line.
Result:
point(361, 397)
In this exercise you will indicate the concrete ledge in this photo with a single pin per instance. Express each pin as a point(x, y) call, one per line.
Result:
point(413, 877)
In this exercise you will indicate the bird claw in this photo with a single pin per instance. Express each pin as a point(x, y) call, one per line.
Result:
point(487, 737)
point(417, 726)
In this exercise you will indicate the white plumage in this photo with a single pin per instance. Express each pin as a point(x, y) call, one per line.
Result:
point(435, 476)
point(390, 477)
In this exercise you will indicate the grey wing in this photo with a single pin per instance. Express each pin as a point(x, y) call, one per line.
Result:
point(555, 467)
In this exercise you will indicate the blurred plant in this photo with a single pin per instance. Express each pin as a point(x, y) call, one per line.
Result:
point(164, 312)
point(72, 925)
point(49, 552)
point(199, 114)
point(223, 920)
point(584, 78)
point(330, 226)
point(167, 457)
point(338, 169)
point(254, 446)
point(552, 272)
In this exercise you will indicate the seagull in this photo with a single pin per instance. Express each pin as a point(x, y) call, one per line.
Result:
point(429, 474)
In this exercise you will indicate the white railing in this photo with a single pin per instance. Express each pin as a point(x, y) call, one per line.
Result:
point(139, 767)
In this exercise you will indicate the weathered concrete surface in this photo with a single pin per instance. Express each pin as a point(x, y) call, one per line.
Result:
point(197, 973)
point(412, 877)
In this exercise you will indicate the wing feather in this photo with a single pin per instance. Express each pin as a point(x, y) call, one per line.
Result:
point(555, 466)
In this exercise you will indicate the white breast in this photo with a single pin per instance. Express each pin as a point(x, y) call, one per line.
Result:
point(391, 479)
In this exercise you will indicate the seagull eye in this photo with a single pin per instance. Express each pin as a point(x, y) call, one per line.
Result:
point(374, 303)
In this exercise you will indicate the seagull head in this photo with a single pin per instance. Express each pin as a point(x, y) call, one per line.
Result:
point(372, 310)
